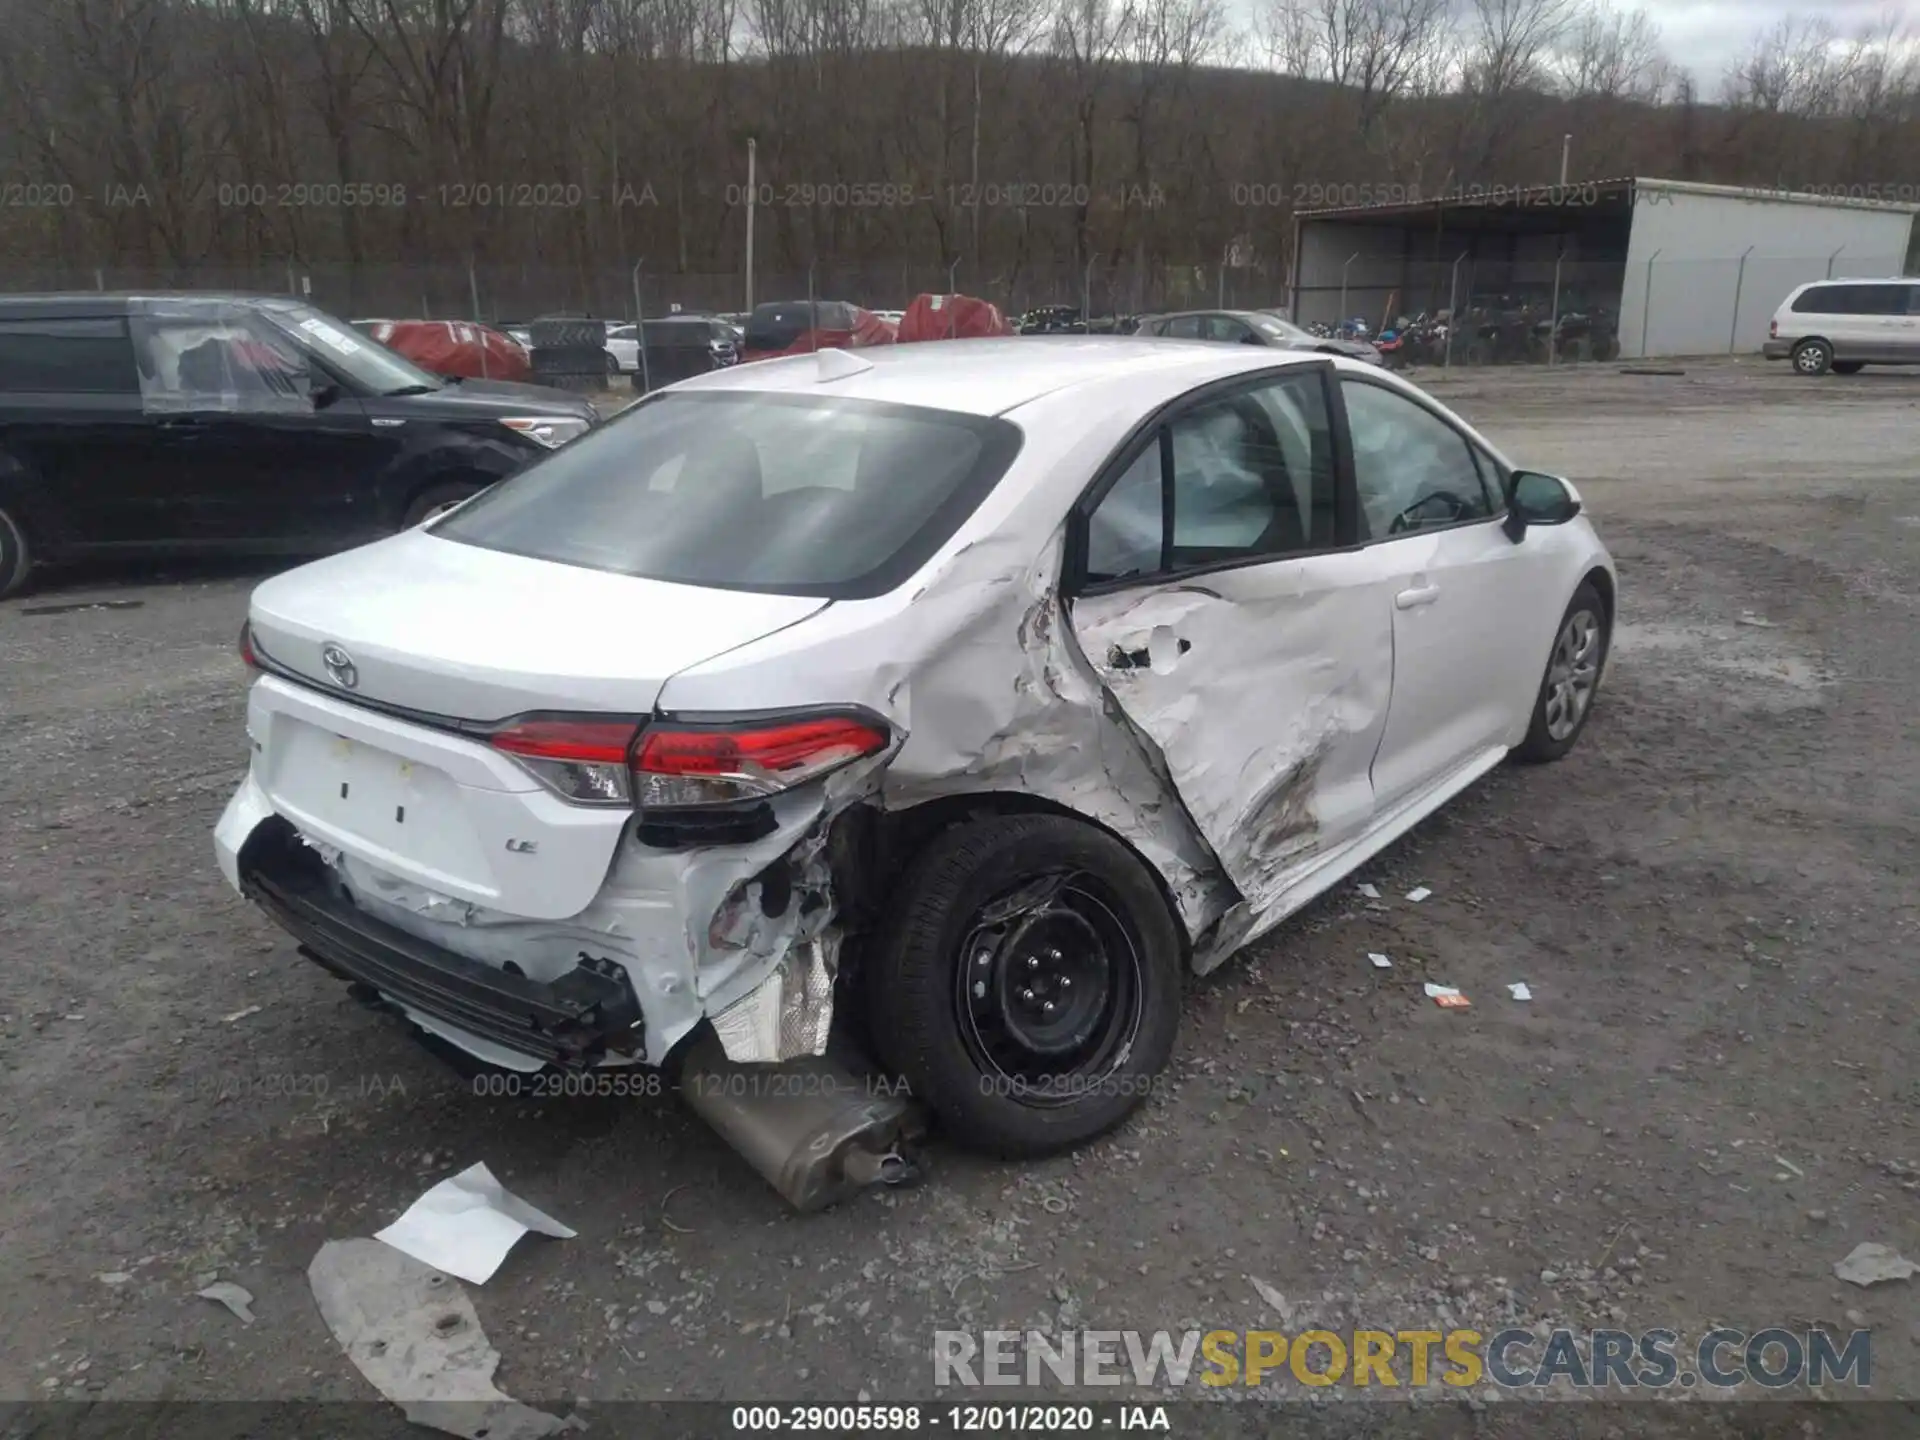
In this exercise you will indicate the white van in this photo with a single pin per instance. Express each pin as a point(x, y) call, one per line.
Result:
point(1841, 325)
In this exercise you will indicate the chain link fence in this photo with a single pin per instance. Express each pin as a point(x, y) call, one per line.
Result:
point(1475, 311)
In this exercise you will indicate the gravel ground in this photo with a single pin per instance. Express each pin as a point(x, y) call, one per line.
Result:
point(1707, 1102)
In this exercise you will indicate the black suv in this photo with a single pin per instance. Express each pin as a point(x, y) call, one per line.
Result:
point(208, 423)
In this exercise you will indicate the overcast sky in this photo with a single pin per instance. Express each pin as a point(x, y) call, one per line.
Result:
point(1707, 36)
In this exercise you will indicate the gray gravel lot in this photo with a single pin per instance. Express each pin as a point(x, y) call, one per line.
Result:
point(1709, 1100)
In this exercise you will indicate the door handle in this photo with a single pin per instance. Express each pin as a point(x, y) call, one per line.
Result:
point(1419, 595)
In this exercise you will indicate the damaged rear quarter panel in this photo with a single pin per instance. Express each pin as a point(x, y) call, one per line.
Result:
point(974, 663)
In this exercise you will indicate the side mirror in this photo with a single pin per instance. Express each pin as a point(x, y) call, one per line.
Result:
point(1539, 499)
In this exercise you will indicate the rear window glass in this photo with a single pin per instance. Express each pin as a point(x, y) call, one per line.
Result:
point(67, 357)
point(790, 494)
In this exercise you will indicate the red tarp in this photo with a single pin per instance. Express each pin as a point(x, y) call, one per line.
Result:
point(850, 328)
point(455, 347)
point(951, 317)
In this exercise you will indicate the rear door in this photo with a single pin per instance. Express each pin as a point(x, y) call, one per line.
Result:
point(1214, 600)
point(1879, 321)
point(1465, 599)
point(70, 412)
point(1845, 314)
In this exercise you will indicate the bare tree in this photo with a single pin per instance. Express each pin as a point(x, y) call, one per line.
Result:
point(1613, 55)
point(1793, 69)
point(1371, 47)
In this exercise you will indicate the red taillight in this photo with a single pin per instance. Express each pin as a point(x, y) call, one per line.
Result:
point(713, 764)
point(601, 741)
point(247, 656)
point(593, 761)
point(1773, 329)
point(581, 760)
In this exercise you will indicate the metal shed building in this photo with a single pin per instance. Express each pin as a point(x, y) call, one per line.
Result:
point(1676, 268)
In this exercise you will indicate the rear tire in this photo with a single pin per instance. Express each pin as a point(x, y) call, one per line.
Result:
point(16, 556)
point(1848, 367)
point(1574, 667)
point(1812, 357)
point(438, 499)
point(1029, 1021)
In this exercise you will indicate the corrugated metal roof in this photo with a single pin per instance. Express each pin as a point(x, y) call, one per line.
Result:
point(1580, 192)
point(1839, 197)
point(1547, 197)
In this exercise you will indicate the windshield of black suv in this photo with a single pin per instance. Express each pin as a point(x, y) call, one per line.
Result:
point(368, 364)
point(788, 494)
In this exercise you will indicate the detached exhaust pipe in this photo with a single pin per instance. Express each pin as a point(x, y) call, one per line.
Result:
point(813, 1129)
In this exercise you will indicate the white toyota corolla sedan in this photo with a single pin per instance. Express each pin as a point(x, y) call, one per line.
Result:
point(984, 687)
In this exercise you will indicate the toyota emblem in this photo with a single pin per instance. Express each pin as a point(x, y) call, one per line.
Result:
point(340, 666)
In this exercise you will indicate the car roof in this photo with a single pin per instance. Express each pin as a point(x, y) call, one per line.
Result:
point(991, 377)
point(121, 302)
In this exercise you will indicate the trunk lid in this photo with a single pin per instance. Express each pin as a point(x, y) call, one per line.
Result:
point(458, 631)
point(455, 632)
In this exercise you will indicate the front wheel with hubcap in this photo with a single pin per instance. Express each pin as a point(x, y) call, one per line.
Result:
point(1812, 357)
point(1027, 982)
point(1565, 700)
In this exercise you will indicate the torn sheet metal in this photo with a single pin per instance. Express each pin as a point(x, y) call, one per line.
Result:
point(412, 1331)
point(749, 932)
point(1037, 721)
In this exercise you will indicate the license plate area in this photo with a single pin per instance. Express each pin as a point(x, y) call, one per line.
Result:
point(375, 803)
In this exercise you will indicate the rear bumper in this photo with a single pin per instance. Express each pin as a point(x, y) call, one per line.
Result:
point(1776, 349)
point(585, 1016)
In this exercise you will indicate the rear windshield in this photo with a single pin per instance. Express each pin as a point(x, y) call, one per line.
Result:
point(789, 494)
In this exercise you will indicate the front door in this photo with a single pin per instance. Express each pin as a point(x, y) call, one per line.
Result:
point(1215, 603)
point(1460, 589)
point(257, 452)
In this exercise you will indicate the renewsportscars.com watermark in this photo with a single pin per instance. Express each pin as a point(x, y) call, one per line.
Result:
point(1722, 1359)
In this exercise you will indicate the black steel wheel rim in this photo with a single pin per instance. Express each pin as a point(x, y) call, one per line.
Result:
point(1048, 988)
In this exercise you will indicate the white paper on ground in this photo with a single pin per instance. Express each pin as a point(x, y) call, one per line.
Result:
point(1380, 962)
point(1372, 892)
point(1418, 893)
point(1434, 992)
point(1519, 991)
point(466, 1225)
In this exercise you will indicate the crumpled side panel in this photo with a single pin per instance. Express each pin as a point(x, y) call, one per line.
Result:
point(1266, 689)
point(1038, 721)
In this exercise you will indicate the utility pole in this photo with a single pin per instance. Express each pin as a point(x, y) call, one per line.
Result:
point(753, 195)
point(1566, 152)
